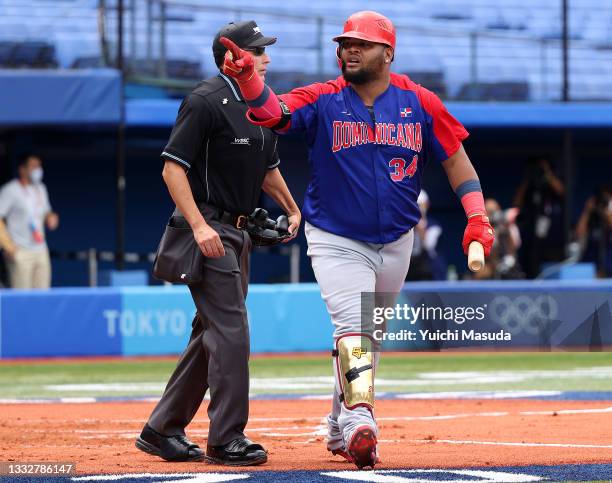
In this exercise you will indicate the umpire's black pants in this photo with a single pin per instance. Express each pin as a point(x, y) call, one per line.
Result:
point(218, 351)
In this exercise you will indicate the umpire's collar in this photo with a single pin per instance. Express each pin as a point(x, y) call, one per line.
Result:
point(231, 83)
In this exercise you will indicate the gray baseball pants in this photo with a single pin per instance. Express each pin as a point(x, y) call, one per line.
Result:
point(344, 268)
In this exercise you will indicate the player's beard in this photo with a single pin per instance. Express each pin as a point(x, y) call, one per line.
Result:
point(365, 74)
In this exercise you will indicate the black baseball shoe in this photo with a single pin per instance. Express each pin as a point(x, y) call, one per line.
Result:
point(169, 448)
point(239, 452)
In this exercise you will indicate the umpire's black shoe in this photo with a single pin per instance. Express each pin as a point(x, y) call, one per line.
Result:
point(170, 448)
point(239, 452)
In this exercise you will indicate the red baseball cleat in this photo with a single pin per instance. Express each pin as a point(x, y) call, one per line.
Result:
point(362, 448)
point(344, 454)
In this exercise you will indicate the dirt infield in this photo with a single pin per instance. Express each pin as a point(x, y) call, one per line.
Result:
point(434, 433)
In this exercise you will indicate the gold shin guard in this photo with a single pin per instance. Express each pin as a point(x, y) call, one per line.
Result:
point(355, 370)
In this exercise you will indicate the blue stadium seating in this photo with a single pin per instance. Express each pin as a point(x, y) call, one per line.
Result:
point(517, 43)
point(27, 54)
point(6, 53)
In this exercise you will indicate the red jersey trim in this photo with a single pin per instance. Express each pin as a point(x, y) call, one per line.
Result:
point(302, 96)
point(449, 132)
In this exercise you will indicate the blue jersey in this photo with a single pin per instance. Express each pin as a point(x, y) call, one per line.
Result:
point(366, 174)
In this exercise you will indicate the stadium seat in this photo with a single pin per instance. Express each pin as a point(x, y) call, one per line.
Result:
point(282, 82)
point(6, 53)
point(87, 63)
point(32, 54)
point(183, 69)
point(494, 91)
point(433, 36)
point(434, 81)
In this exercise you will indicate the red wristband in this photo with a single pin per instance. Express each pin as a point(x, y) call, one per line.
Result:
point(473, 203)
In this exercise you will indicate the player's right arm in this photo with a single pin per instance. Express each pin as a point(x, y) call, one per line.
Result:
point(295, 111)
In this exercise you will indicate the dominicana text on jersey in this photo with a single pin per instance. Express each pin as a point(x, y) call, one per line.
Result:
point(367, 162)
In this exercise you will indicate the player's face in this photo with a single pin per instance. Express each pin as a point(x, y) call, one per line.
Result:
point(260, 61)
point(362, 61)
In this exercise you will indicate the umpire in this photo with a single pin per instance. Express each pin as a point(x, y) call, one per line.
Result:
point(216, 164)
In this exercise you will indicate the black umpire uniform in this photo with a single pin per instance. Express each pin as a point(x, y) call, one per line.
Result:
point(226, 159)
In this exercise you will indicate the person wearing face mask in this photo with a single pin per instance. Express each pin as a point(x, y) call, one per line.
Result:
point(25, 212)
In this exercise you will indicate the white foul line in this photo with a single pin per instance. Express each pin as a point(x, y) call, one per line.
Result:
point(395, 476)
point(506, 443)
point(192, 477)
point(567, 411)
point(443, 416)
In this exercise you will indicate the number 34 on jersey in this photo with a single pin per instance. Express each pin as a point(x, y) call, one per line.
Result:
point(407, 135)
point(402, 171)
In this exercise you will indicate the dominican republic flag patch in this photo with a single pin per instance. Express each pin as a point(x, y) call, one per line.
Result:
point(406, 112)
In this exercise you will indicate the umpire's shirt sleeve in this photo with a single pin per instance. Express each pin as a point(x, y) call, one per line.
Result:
point(192, 126)
point(275, 160)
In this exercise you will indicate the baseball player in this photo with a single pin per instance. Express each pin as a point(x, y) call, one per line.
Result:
point(370, 134)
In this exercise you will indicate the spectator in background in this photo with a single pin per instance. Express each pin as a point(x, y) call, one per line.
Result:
point(594, 230)
point(425, 262)
point(24, 212)
point(539, 198)
point(503, 261)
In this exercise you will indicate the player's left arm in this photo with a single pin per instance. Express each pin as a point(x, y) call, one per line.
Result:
point(274, 185)
point(465, 183)
point(459, 169)
point(446, 135)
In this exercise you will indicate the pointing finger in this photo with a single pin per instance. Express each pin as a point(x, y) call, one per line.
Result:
point(231, 46)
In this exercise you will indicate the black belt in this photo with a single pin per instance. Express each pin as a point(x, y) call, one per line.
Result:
point(237, 221)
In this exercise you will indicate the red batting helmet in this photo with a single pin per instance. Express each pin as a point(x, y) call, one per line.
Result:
point(370, 26)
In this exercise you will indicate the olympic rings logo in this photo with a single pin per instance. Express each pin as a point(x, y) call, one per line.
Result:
point(523, 313)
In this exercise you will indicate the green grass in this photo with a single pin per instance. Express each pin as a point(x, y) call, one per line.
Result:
point(32, 380)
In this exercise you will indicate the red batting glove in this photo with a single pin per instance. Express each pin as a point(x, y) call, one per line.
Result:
point(238, 63)
point(478, 229)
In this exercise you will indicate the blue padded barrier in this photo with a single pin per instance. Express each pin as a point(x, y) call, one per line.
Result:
point(150, 320)
point(283, 318)
point(75, 97)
